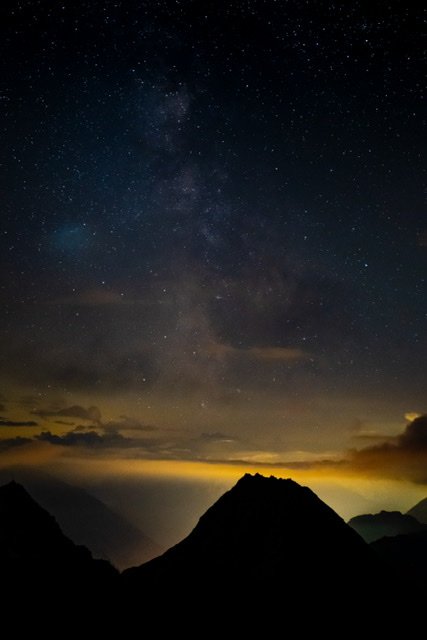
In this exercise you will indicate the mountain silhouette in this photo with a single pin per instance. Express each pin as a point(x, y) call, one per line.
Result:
point(87, 520)
point(406, 554)
point(386, 523)
point(267, 555)
point(266, 539)
point(33, 546)
point(419, 511)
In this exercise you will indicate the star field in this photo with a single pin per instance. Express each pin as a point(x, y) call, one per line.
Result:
point(213, 216)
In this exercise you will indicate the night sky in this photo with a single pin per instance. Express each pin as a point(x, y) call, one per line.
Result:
point(213, 233)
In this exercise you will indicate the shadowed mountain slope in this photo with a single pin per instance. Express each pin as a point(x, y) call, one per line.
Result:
point(87, 520)
point(407, 555)
point(419, 511)
point(34, 549)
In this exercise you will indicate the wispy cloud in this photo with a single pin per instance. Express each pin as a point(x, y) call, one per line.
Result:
point(4, 422)
point(91, 439)
point(127, 423)
point(11, 443)
point(91, 414)
point(266, 354)
point(278, 354)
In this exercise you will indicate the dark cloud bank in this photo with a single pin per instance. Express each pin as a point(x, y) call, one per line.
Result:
point(404, 457)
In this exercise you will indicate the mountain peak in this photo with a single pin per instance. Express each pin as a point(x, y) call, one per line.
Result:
point(258, 478)
point(13, 488)
point(17, 506)
point(262, 529)
point(27, 529)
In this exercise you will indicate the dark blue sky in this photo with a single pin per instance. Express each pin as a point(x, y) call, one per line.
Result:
point(215, 206)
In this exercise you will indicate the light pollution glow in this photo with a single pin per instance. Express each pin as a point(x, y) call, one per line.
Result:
point(348, 491)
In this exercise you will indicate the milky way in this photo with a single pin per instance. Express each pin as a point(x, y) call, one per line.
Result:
point(212, 221)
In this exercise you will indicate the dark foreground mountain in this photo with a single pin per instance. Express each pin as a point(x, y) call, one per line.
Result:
point(270, 545)
point(386, 523)
point(49, 585)
point(407, 555)
point(34, 551)
point(87, 520)
point(267, 556)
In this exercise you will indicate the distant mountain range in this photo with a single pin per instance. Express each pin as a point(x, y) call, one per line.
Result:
point(400, 540)
point(87, 520)
point(386, 523)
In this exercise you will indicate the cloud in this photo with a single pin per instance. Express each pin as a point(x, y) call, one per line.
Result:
point(129, 424)
point(412, 415)
point(218, 436)
point(182, 334)
point(266, 354)
point(92, 414)
point(278, 354)
point(371, 434)
point(164, 445)
point(101, 360)
point(29, 402)
point(2, 400)
point(4, 422)
point(11, 443)
point(404, 456)
point(89, 439)
point(415, 435)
